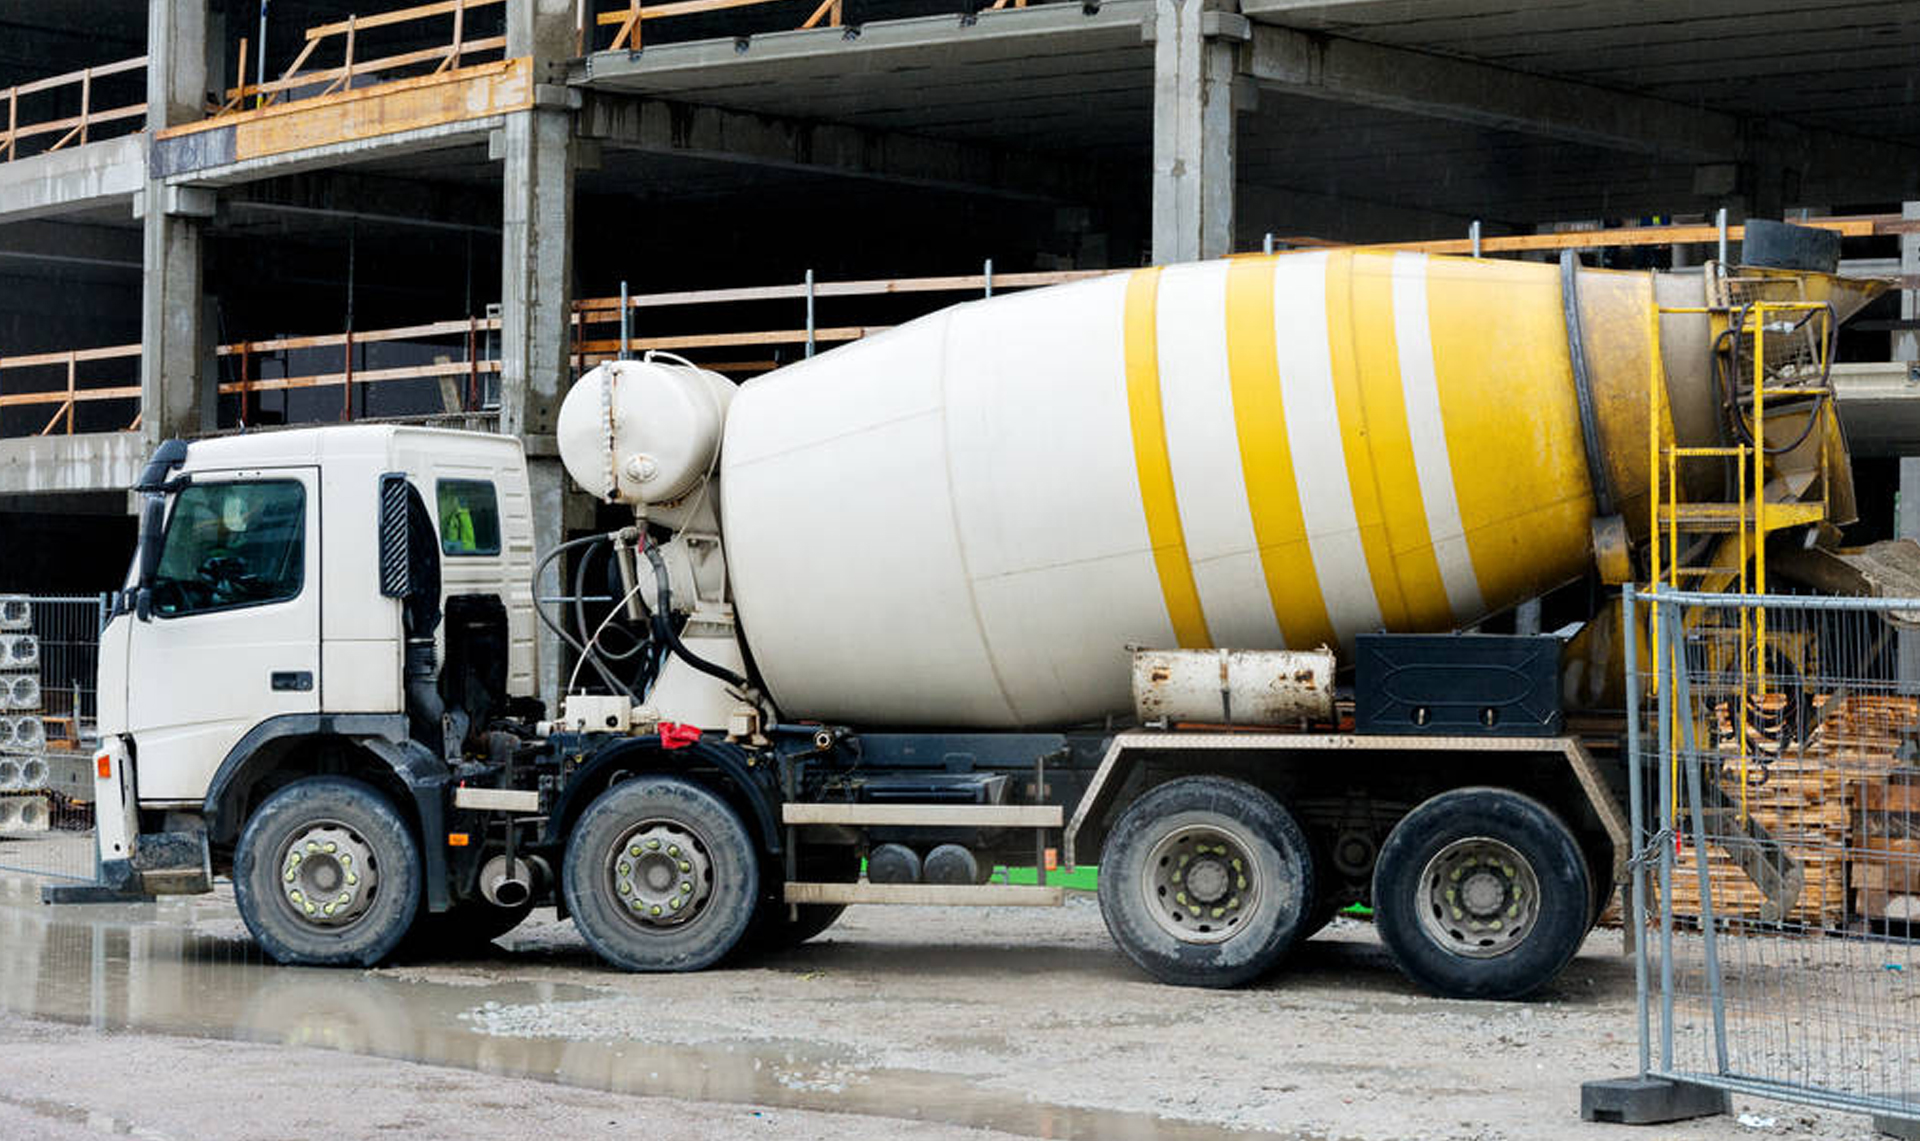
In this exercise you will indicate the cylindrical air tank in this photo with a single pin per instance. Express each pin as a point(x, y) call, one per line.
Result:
point(969, 519)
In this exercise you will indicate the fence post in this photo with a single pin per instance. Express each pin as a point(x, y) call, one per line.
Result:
point(1635, 924)
point(809, 313)
point(987, 273)
point(1663, 666)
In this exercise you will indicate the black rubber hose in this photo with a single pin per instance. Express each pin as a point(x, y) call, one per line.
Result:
point(546, 620)
point(663, 626)
point(580, 615)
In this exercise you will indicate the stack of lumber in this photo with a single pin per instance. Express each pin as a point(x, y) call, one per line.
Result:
point(1843, 803)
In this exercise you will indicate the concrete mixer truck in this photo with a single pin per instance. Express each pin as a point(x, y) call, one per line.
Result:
point(1172, 571)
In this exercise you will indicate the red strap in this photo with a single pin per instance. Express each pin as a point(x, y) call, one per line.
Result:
point(675, 736)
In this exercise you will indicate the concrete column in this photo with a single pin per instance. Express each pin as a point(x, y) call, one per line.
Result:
point(536, 149)
point(177, 384)
point(1193, 129)
point(1906, 342)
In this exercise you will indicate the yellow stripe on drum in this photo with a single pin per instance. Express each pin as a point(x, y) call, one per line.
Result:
point(1428, 439)
point(1512, 427)
point(1379, 434)
point(1150, 457)
point(1260, 423)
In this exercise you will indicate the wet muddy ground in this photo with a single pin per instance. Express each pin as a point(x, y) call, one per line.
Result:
point(163, 1020)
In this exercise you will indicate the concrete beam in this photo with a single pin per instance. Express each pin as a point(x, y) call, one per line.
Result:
point(1879, 407)
point(83, 178)
point(1396, 79)
point(106, 461)
point(1820, 164)
point(720, 135)
point(926, 41)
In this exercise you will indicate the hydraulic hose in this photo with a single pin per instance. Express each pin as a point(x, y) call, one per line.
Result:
point(579, 647)
point(663, 626)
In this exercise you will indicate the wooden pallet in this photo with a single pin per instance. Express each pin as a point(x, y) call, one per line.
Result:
point(1843, 803)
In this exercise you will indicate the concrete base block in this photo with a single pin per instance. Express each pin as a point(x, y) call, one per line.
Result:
point(1650, 1101)
point(24, 814)
point(1905, 1128)
point(89, 893)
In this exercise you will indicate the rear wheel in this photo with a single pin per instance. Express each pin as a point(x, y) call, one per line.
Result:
point(326, 873)
point(1481, 893)
point(661, 875)
point(1206, 881)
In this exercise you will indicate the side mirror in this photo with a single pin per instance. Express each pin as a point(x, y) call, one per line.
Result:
point(153, 516)
point(396, 579)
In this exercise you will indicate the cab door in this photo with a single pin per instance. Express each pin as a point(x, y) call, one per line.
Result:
point(233, 634)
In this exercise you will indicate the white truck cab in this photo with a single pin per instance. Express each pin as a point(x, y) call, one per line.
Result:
point(254, 614)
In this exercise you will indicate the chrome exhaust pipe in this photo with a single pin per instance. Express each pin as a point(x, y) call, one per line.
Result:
point(505, 883)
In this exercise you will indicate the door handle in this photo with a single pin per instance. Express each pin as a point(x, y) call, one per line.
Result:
point(292, 681)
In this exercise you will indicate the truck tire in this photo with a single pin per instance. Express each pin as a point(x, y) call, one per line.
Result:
point(1206, 881)
point(1481, 893)
point(326, 873)
point(661, 875)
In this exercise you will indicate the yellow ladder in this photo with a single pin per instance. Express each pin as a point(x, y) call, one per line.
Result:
point(1746, 520)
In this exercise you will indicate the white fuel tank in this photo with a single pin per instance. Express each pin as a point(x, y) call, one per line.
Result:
point(969, 520)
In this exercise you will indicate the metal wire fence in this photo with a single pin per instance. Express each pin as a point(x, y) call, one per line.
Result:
point(1779, 766)
point(49, 657)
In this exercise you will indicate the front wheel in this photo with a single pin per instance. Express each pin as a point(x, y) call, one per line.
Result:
point(1481, 893)
point(660, 875)
point(327, 874)
point(1206, 881)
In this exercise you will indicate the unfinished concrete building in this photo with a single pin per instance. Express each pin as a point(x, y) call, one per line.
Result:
point(222, 214)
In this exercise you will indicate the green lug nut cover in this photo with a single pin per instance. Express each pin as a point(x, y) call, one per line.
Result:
point(1181, 899)
point(654, 910)
point(625, 888)
point(685, 887)
point(313, 846)
point(289, 876)
point(675, 904)
point(673, 849)
point(634, 851)
point(685, 866)
point(1240, 882)
point(1217, 912)
point(626, 869)
point(653, 845)
point(310, 909)
point(332, 847)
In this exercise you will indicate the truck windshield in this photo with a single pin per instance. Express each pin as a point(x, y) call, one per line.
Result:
point(232, 544)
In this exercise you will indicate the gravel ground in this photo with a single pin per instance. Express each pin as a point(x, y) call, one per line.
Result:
point(899, 1022)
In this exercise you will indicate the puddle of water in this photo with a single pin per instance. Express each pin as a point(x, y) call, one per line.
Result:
point(186, 967)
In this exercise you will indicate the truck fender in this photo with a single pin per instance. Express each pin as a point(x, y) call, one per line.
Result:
point(645, 754)
point(384, 737)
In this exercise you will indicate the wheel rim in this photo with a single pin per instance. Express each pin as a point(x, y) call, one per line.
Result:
point(1202, 883)
point(328, 874)
point(1479, 897)
point(661, 874)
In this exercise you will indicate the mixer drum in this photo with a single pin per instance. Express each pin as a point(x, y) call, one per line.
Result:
point(966, 521)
